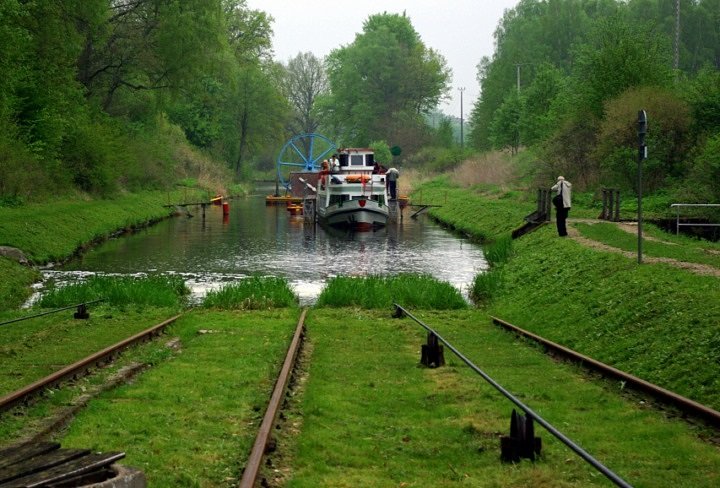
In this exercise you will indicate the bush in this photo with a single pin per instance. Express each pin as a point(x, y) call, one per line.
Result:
point(668, 138)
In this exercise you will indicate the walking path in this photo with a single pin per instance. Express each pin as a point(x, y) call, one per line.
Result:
point(703, 269)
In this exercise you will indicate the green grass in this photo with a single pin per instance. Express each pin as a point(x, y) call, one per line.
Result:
point(191, 420)
point(155, 291)
point(13, 285)
point(682, 249)
point(499, 251)
point(37, 347)
point(253, 293)
point(422, 291)
point(371, 416)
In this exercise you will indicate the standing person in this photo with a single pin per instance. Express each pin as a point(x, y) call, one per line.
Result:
point(334, 164)
point(562, 202)
point(392, 176)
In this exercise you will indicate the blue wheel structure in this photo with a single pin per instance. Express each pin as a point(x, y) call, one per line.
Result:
point(303, 152)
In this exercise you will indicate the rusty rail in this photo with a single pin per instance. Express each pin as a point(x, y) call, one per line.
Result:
point(252, 468)
point(76, 368)
point(685, 404)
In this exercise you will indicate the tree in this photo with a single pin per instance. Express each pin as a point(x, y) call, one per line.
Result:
point(444, 134)
point(303, 82)
point(384, 80)
point(703, 95)
point(540, 105)
point(619, 55)
point(668, 140)
point(505, 127)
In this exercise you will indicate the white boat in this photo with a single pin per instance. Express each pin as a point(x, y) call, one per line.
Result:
point(353, 197)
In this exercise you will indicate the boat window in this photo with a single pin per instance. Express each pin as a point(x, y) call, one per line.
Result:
point(369, 159)
point(343, 158)
point(357, 160)
point(335, 199)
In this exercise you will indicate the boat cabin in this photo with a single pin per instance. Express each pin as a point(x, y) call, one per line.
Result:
point(356, 159)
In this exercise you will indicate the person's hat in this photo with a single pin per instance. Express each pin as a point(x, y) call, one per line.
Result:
point(561, 178)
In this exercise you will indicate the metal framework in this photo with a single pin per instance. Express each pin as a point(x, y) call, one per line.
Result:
point(677, 207)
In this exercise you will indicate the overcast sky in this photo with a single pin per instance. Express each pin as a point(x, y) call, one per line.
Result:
point(461, 30)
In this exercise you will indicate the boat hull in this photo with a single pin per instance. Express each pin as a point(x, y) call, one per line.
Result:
point(352, 215)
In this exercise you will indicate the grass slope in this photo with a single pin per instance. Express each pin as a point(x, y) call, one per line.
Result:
point(53, 231)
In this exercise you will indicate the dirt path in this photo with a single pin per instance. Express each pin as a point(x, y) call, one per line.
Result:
point(702, 269)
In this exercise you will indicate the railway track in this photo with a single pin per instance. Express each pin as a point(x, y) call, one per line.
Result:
point(25, 394)
point(254, 463)
point(684, 404)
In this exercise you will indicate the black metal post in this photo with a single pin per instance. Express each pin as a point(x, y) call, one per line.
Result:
point(642, 154)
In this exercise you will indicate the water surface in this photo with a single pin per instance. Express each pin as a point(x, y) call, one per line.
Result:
point(209, 250)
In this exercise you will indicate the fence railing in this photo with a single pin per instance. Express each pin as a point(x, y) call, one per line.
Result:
point(678, 206)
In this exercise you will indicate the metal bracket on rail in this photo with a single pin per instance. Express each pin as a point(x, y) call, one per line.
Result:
point(522, 442)
point(82, 312)
point(432, 354)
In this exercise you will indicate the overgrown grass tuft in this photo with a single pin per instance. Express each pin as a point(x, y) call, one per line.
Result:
point(486, 285)
point(421, 291)
point(254, 293)
point(156, 291)
point(499, 251)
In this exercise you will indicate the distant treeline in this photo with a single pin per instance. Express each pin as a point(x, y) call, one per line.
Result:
point(569, 76)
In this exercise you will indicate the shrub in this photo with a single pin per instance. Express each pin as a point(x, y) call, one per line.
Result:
point(422, 291)
point(156, 290)
point(667, 139)
point(253, 293)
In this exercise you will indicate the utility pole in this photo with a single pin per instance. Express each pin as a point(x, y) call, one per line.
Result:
point(642, 155)
point(462, 142)
point(677, 35)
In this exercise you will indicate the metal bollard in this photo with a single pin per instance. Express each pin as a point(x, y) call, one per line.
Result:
point(82, 312)
point(522, 442)
point(432, 354)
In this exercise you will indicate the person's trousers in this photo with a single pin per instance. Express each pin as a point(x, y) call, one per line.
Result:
point(561, 217)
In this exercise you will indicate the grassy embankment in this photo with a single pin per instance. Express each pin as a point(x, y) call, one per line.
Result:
point(370, 416)
point(653, 320)
point(54, 231)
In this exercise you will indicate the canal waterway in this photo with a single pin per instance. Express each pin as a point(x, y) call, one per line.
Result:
point(210, 250)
